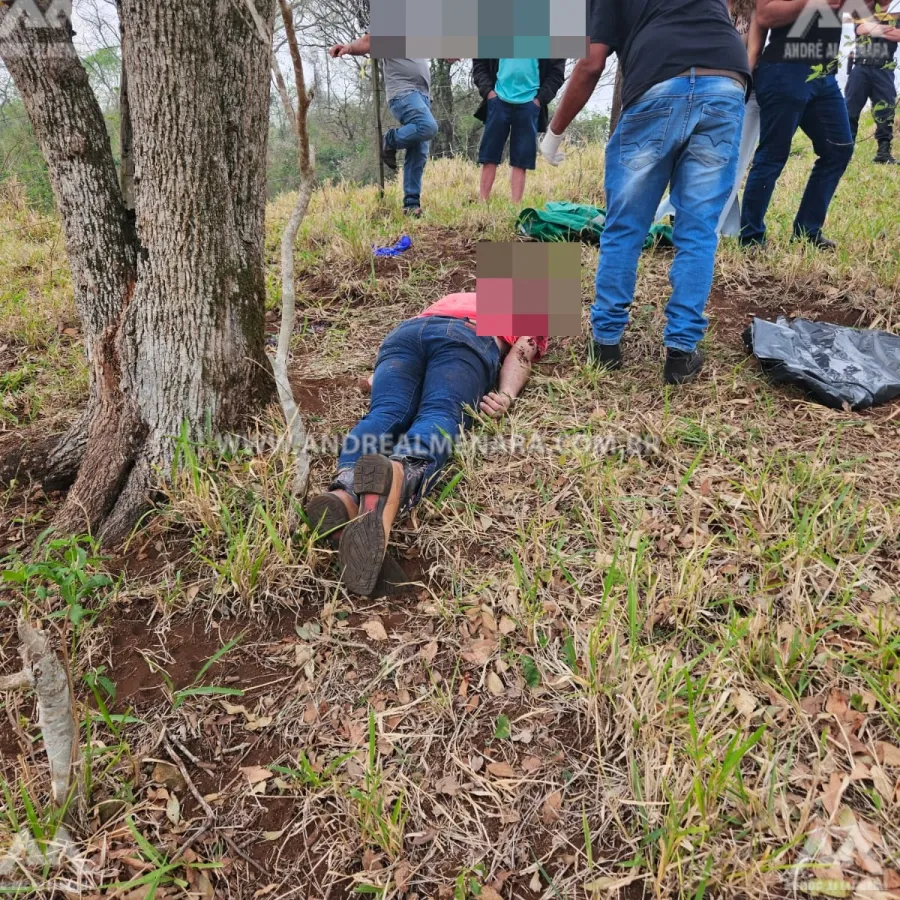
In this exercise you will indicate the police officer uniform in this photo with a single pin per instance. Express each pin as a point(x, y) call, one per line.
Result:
point(872, 78)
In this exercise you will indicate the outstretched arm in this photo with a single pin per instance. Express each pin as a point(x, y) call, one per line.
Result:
point(360, 47)
point(514, 376)
point(581, 87)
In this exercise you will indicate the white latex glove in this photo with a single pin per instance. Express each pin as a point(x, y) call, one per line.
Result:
point(550, 148)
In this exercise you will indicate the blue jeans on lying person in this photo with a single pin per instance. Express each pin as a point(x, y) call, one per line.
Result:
point(684, 131)
point(427, 372)
point(417, 128)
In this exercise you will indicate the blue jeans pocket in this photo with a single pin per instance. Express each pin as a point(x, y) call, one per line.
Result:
point(713, 140)
point(643, 137)
point(460, 332)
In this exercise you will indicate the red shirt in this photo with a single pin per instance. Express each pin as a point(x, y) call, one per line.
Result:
point(462, 306)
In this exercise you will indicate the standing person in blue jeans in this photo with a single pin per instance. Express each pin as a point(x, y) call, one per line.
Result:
point(429, 370)
point(408, 90)
point(516, 95)
point(685, 78)
point(792, 95)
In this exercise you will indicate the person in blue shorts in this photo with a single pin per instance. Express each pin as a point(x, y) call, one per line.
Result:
point(516, 95)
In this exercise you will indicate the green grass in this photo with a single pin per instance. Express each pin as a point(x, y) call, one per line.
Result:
point(680, 649)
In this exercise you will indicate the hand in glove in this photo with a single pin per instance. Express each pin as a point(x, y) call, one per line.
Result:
point(550, 148)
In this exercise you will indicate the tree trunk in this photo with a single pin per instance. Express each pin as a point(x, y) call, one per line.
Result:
point(616, 112)
point(442, 99)
point(173, 303)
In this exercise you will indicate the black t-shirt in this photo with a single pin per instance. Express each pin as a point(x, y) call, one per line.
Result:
point(878, 50)
point(814, 39)
point(656, 40)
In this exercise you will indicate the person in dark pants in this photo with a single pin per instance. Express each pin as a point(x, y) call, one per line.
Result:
point(516, 94)
point(429, 372)
point(872, 78)
point(792, 95)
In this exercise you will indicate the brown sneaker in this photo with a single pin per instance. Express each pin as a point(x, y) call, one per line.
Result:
point(364, 542)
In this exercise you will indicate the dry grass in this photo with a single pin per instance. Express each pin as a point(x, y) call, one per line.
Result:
point(670, 675)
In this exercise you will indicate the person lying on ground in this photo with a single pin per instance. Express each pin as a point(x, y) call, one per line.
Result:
point(516, 95)
point(430, 370)
point(685, 76)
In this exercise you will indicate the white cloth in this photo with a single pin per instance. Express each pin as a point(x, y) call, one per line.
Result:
point(730, 221)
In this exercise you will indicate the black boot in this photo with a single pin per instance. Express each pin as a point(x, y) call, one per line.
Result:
point(389, 155)
point(884, 155)
point(605, 356)
point(682, 367)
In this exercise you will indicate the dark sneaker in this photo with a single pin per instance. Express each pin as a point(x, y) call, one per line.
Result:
point(414, 212)
point(682, 367)
point(886, 160)
point(326, 514)
point(819, 241)
point(389, 155)
point(606, 356)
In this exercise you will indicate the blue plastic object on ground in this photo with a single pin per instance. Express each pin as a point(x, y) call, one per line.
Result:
point(400, 247)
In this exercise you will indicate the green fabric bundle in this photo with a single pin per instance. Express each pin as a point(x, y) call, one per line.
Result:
point(575, 222)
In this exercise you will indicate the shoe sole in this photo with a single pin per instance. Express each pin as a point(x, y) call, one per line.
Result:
point(678, 380)
point(325, 515)
point(362, 548)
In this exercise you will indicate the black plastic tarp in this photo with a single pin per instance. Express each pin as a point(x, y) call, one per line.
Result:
point(844, 368)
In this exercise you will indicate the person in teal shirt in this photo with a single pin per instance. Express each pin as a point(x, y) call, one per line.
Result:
point(516, 95)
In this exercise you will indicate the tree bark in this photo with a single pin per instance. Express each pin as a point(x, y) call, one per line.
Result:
point(442, 96)
point(171, 298)
point(100, 240)
point(616, 112)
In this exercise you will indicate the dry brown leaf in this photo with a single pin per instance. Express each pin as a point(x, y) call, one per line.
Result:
point(744, 702)
point(550, 809)
point(255, 724)
point(255, 774)
point(882, 783)
point(479, 652)
point(402, 874)
point(495, 684)
point(837, 703)
point(169, 775)
point(447, 785)
point(173, 810)
point(502, 770)
point(507, 625)
point(429, 652)
point(375, 630)
point(531, 764)
point(488, 893)
point(888, 754)
point(831, 796)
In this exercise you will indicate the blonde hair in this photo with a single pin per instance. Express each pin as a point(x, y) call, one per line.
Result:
point(742, 10)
